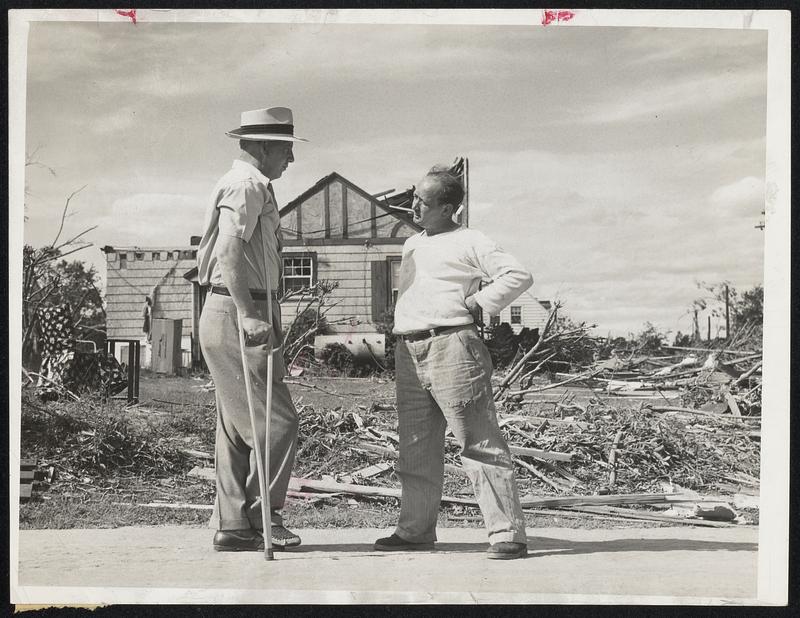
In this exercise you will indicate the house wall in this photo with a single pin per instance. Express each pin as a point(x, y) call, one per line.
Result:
point(126, 289)
point(533, 314)
point(350, 265)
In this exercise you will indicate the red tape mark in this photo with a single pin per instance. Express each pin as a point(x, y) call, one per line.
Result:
point(131, 13)
point(549, 16)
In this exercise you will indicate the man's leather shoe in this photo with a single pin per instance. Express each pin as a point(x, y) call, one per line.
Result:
point(395, 543)
point(507, 551)
point(282, 538)
point(238, 540)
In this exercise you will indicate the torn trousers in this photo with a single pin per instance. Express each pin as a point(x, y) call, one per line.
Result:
point(441, 381)
point(238, 503)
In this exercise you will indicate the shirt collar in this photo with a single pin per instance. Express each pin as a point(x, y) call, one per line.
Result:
point(247, 162)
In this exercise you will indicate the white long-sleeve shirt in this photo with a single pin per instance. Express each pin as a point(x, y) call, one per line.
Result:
point(439, 272)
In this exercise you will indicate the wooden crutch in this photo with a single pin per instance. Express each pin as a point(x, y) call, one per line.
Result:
point(262, 464)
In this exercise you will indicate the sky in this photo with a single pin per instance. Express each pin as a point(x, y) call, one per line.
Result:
point(620, 165)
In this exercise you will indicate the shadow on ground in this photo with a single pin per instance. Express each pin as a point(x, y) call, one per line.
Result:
point(542, 546)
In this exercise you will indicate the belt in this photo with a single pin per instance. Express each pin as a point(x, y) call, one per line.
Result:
point(421, 335)
point(255, 294)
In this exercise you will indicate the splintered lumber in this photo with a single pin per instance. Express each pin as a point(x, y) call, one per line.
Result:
point(368, 472)
point(732, 404)
point(631, 514)
point(207, 474)
point(612, 460)
point(296, 484)
point(557, 501)
point(167, 505)
point(190, 452)
point(735, 421)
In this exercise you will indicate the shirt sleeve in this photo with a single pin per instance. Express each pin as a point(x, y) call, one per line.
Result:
point(239, 206)
point(509, 277)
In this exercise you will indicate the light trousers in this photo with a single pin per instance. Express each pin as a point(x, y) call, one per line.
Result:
point(238, 502)
point(441, 381)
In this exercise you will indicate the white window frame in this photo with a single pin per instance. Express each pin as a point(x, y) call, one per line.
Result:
point(511, 314)
point(309, 279)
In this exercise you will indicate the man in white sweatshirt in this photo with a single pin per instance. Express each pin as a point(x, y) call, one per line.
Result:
point(444, 369)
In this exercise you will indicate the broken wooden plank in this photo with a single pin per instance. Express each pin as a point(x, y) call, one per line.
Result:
point(167, 505)
point(190, 452)
point(556, 501)
point(297, 484)
point(612, 460)
point(368, 472)
point(199, 472)
point(732, 404)
point(717, 417)
point(631, 514)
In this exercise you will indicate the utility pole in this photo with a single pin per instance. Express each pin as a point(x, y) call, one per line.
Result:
point(727, 313)
point(708, 337)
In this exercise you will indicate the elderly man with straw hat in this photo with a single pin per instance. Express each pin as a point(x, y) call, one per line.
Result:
point(239, 257)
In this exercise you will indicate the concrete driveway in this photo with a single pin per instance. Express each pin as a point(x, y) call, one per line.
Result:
point(177, 564)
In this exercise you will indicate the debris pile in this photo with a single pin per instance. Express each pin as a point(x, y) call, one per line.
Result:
point(599, 457)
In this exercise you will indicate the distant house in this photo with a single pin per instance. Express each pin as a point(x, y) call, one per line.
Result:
point(145, 283)
point(525, 311)
point(333, 231)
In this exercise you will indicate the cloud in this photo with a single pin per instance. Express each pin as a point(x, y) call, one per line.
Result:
point(152, 219)
point(743, 198)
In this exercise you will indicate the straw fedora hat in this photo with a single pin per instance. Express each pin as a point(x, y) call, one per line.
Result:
point(274, 123)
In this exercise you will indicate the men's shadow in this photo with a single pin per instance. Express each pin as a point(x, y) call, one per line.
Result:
point(543, 546)
point(361, 548)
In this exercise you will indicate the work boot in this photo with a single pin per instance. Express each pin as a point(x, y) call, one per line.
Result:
point(506, 550)
point(395, 543)
point(238, 540)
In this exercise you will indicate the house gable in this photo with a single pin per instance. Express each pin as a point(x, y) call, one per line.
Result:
point(336, 211)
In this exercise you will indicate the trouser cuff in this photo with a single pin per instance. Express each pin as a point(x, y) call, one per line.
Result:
point(425, 538)
point(275, 520)
point(508, 537)
point(234, 524)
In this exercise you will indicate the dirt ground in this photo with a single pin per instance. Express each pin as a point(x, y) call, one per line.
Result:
point(177, 564)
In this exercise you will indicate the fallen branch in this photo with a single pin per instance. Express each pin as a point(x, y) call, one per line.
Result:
point(748, 373)
point(541, 476)
point(578, 378)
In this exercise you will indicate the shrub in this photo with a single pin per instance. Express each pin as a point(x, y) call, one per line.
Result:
point(96, 437)
point(336, 356)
